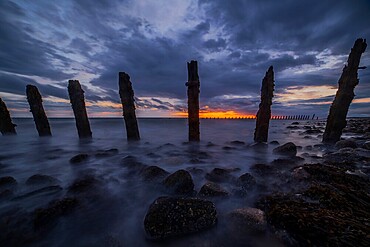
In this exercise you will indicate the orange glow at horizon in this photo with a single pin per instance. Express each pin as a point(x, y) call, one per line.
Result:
point(216, 114)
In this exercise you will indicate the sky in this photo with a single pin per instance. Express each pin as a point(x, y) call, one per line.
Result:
point(48, 42)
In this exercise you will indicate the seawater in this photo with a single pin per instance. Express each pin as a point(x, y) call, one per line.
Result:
point(120, 212)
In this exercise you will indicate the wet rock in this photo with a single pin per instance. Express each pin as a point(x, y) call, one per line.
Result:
point(180, 182)
point(263, 169)
point(107, 153)
point(219, 175)
point(300, 173)
point(289, 149)
point(5, 194)
point(132, 164)
point(312, 131)
point(195, 170)
point(228, 148)
point(295, 123)
point(153, 174)
point(39, 179)
point(43, 191)
point(44, 217)
point(274, 143)
point(210, 189)
point(6, 182)
point(79, 158)
point(169, 217)
point(292, 127)
point(246, 181)
point(237, 143)
point(85, 184)
point(366, 145)
point(244, 221)
point(345, 144)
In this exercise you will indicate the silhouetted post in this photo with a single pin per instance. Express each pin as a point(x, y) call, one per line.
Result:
point(313, 116)
point(76, 96)
point(264, 111)
point(35, 101)
point(6, 125)
point(193, 85)
point(128, 105)
point(336, 120)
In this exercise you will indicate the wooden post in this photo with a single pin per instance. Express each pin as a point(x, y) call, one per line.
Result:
point(193, 85)
point(76, 96)
point(128, 105)
point(264, 111)
point(35, 101)
point(336, 120)
point(6, 125)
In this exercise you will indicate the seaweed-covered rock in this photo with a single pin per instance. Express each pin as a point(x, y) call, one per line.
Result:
point(345, 144)
point(179, 182)
point(219, 175)
point(210, 189)
point(39, 179)
point(170, 217)
point(153, 173)
point(246, 181)
point(289, 149)
point(79, 158)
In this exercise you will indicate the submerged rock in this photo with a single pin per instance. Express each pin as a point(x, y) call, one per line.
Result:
point(210, 189)
point(79, 158)
point(289, 149)
point(85, 184)
point(106, 153)
point(219, 175)
point(153, 173)
point(246, 181)
point(39, 179)
point(180, 182)
point(169, 217)
point(7, 181)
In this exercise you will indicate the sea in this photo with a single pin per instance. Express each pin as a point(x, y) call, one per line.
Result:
point(116, 218)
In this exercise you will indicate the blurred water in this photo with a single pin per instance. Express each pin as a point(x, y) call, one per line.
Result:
point(120, 214)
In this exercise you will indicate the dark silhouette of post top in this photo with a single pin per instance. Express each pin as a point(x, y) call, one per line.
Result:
point(6, 125)
point(264, 111)
point(193, 85)
point(76, 96)
point(128, 105)
point(336, 120)
point(35, 101)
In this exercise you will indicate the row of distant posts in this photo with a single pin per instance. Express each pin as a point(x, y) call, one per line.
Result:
point(336, 121)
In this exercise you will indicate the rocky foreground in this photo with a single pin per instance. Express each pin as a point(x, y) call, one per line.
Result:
point(288, 202)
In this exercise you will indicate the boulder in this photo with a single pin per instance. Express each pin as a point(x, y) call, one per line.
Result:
point(289, 149)
point(210, 189)
point(153, 174)
point(346, 144)
point(7, 181)
point(244, 221)
point(179, 182)
point(246, 181)
point(170, 217)
point(366, 145)
point(39, 179)
point(219, 175)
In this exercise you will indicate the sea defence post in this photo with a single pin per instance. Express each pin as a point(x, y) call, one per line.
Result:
point(6, 125)
point(264, 111)
point(76, 96)
point(35, 101)
point(193, 85)
point(336, 120)
point(126, 94)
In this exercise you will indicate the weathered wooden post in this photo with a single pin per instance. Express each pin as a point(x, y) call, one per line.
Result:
point(193, 85)
point(313, 116)
point(128, 105)
point(264, 111)
point(76, 96)
point(336, 120)
point(35, 101)
point(6, 125)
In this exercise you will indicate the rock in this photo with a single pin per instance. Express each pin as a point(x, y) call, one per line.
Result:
point(85, 184)
point(246, 181)
point(289, 149)
point(44, 217)
point(300, 173)
point(210, 189)
point(244, 221)
point(132, 164)
point(180, 182)
point(219, 175)
point(79, 158)
point(45, 190)
point(366, 145)
point(263, 169)
point(345, 144)
point(153, 174)
point(170, 217)
point(237, 143)
point(7, 181)
point(295, 123)
point(39, 179)
point(293, 127)
point(312, 131)
point(107, 153)
point(274, 143)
